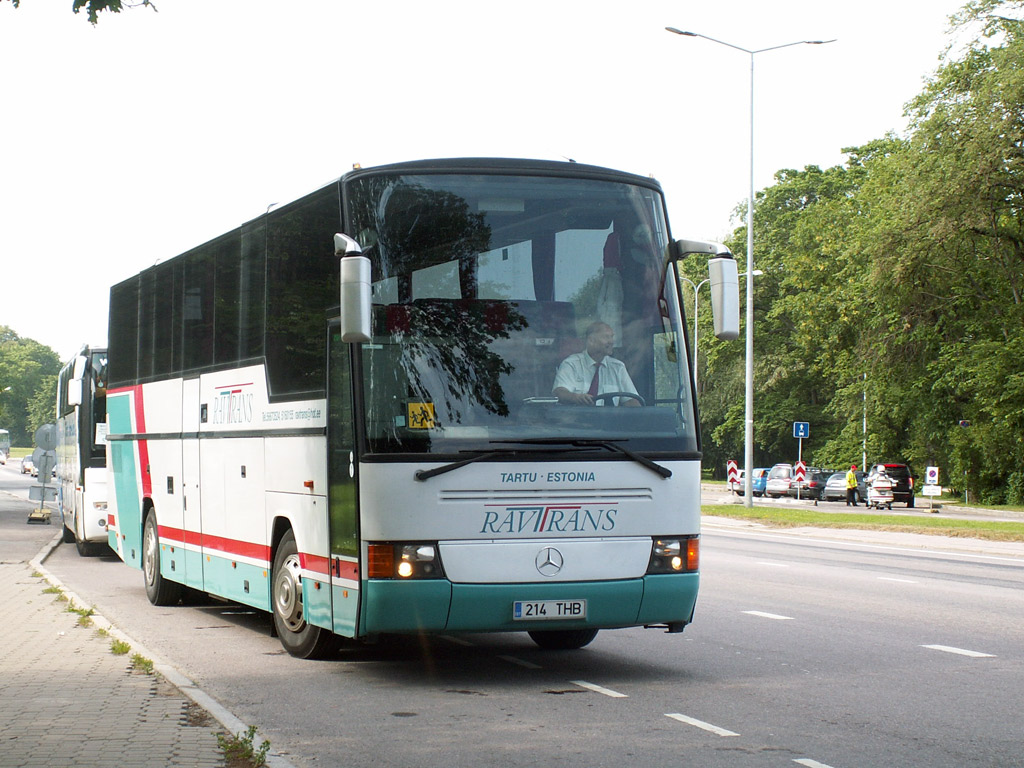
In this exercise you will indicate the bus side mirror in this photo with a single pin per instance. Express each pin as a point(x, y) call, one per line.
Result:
point(74, 391)
point(355, 290)
point(725, 297)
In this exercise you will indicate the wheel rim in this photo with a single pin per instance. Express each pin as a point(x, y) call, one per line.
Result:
point(149, 554)
point(288, 594)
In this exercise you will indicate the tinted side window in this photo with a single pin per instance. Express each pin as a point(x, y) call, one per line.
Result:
point(302, 283)
point(123, 327)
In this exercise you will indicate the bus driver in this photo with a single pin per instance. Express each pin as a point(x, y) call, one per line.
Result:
point(585, 375)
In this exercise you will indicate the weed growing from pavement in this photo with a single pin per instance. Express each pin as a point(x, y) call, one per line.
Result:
point(84, 614)
point(119, 647)
point(141, 664)
point(239, 750)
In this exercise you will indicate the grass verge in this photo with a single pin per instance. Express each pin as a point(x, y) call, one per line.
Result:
point(991, 530)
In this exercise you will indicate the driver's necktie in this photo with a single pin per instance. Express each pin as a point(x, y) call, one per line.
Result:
point(593, 383)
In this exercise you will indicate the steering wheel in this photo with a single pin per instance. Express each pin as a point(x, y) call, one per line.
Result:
point(609, 395)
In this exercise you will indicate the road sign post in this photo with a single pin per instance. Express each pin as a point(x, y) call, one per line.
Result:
point(931, 487)
point(801, 429)
point(44, 459)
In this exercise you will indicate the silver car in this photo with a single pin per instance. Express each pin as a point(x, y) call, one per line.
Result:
point(779, 478)
point(835, 488)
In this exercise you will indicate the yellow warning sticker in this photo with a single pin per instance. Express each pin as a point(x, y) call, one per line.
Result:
point(421, 416)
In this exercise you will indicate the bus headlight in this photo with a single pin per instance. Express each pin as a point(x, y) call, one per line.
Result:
point(412, 560)
point(674, 554)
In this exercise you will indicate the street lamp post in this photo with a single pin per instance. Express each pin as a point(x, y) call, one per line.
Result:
point(696, 288)
point(748, 438)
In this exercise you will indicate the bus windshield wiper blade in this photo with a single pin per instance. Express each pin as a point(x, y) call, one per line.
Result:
point(426, 474)
point(610, 445)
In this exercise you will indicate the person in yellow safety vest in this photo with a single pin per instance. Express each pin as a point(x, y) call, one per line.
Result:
point(851, 486)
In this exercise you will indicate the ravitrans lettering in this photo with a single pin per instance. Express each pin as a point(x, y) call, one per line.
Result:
point(549, 519)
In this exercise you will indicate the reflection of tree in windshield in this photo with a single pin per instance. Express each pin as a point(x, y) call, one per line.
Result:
point(447, 357)
point(444, 334)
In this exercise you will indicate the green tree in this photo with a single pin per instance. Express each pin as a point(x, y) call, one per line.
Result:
point(26, 371)
point(93, 8)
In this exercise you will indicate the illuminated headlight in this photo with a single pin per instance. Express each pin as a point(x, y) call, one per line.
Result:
point(403, 561)
point(678, 554)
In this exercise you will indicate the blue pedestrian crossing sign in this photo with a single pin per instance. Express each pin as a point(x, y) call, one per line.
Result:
point(801, 429)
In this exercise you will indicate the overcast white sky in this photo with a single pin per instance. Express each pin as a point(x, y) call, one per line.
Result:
point(128, 143)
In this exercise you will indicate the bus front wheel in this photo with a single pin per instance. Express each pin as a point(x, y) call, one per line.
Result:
point(563, 639)
point(159, 590)
point(298, 636)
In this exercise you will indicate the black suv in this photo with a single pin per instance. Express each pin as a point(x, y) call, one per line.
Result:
point(902, 481)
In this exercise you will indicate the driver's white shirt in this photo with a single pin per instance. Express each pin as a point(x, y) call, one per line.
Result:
point(577, 371)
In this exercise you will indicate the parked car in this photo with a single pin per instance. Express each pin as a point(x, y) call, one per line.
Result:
point(778, 481)
point(813, 485)
point(902, 481)
point(27, 466)
point(760, 478)
point(835, 487)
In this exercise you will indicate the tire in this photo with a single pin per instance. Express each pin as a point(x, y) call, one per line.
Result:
point(910, 502)
point(563, 639)
point(68, 536)
point(300, 638)
point(159, 590)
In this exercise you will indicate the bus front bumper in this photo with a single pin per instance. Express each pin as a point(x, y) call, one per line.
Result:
point(437, 605)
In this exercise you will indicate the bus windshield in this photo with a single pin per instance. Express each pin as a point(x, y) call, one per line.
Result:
point(484, 284)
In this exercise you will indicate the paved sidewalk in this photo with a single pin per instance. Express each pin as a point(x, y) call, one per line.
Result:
point(66, 700)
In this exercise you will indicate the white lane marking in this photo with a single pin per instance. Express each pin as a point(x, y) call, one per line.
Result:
point(960, 651)
point(599, 689)
point(764, 615)
point(811, 763)
point(840, 543)
point(520, 662)
point(901, 581)
point(773, 565)
point(456, 640)
point(701, 724)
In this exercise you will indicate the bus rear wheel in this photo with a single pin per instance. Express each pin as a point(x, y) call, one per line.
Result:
point(562, 639)
point(298, 636)
point(159, 590)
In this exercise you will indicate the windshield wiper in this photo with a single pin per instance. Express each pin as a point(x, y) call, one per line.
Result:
point(610, 445)
point(426, 474)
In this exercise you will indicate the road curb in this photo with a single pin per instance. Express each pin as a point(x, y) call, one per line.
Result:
point(231, 724)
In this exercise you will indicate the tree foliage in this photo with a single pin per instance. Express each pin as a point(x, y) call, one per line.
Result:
point(28, 373)
point(893, 287)
point(93, 8)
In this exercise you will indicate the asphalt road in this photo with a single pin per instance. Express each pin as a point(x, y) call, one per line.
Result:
point(804, 651)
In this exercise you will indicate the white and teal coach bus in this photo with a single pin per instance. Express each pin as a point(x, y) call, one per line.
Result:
point(343, 411)
point(81, 450)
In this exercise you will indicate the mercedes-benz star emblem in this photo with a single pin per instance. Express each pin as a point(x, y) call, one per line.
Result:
point(549, 561)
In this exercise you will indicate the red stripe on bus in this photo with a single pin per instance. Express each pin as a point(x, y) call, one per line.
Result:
point(315, 563)
point(218, 543)
point(140, 426)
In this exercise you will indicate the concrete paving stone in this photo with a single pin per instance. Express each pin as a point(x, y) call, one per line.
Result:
point(66, 701)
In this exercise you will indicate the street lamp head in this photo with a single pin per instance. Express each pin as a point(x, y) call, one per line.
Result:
point(820, 42)
point(681, 32)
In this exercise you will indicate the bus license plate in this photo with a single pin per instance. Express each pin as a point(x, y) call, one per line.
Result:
point(539, 610)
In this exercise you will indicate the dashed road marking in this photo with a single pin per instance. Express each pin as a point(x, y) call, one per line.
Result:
point(701, 724)
point(806, 761)
point(520, 662)
point(901, 581)
point(960, 651)
point(764, 615)
point(599, 689)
